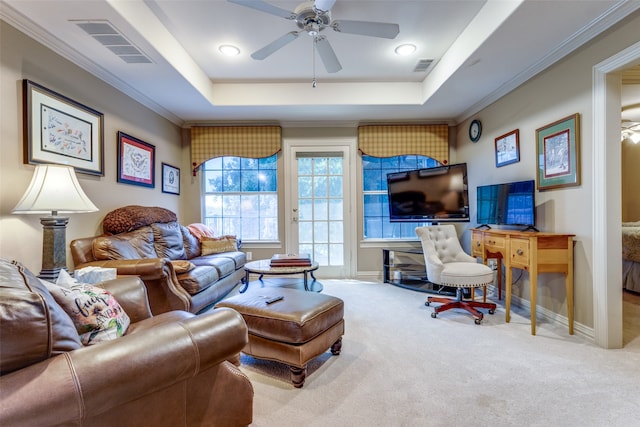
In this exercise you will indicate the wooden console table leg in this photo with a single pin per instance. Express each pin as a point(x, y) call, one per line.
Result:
point(507, 302)
point(569, 289)
point(569, 283)
point(533, 285)
point(533, 281)
point(499, 270)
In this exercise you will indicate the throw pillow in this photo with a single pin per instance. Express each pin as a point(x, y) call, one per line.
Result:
point(96, 314)
point(201, 230)
point(129, 218)
point(216, 245)
point(167, 240)
point(181, 266)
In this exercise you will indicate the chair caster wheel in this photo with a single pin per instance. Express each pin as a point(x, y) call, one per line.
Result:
point(427, 303)
point(434, 314)
point(491, 311)
point(478, 321)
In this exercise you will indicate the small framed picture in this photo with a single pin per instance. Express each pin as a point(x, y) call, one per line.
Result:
point(558, 149)
point(136, 161)
point(170, 179)
point(62, 131)
point(508, 148)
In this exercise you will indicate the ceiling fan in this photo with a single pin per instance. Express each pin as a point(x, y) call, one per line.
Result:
point(313, 17)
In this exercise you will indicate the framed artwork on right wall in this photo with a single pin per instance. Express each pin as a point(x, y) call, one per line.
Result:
point(508, 148)
point(558, 152)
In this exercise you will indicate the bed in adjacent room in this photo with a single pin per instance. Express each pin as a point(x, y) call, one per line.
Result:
point(631, 256)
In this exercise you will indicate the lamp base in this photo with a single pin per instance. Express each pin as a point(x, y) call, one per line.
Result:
point(54, 246)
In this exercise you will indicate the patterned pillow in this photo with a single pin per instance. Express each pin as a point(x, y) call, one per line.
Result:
point(96, 314)
point(216, 245)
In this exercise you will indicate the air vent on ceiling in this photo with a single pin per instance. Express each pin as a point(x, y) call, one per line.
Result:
point(423, 65)
point(108, 36)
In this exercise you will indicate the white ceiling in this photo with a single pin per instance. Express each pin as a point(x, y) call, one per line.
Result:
point(481, 50)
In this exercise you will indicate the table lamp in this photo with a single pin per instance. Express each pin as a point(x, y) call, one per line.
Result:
point(54, 189)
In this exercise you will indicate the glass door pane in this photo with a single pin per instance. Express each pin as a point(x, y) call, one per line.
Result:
point(319, 209)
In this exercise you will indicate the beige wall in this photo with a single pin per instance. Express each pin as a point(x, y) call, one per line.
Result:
point(562, 90)
point(23, 58)
point(630, 182)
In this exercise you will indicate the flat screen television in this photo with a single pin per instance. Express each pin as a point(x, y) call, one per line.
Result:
point(511, 203)
point(437, 194)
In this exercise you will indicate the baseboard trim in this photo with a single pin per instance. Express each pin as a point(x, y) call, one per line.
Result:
point(542, 312)
point(553, 317)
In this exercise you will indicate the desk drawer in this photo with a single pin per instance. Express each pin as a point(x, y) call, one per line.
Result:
point(494, 243)
point(520, 252)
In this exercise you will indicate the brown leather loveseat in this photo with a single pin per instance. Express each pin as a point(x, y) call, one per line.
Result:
point(149, 242)
point(167, 370)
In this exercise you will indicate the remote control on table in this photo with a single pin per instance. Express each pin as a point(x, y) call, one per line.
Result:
point(274, 299)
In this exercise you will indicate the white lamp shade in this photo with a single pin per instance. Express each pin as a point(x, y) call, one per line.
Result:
point(54, 189)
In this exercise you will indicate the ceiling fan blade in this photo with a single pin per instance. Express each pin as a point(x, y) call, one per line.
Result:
point(364, 28)
point(265, 7)
point(275, 45)
point(328, 56)
point(324, 5)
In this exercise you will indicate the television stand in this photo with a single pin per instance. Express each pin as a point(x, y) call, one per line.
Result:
point(530, 228)
point(404, 267)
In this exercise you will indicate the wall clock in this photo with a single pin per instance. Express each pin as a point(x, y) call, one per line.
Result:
point(475, 130)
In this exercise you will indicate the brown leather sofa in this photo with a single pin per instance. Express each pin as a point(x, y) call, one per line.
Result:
point(147, 242)
point(167, 370)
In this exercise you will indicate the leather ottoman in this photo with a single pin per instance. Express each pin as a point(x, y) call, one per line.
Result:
point(293, 330)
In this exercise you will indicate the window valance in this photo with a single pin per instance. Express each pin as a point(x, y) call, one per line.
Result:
point(400, 140)
point(208, 142)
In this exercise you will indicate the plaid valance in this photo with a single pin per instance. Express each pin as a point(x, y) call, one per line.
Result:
point(401, 140)
point(208, 142)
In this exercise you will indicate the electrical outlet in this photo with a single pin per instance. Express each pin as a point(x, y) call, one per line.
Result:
point(249, 256)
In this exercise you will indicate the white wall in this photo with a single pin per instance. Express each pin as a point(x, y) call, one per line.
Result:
point(23, 58)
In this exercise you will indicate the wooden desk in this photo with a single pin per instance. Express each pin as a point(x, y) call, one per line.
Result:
point(534, 252)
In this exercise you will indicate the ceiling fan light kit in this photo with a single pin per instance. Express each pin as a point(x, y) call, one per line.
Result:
point(314, 17)
point(630, 131)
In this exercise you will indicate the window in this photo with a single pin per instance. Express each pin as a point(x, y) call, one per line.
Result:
point(241, 197)
point(375, 199)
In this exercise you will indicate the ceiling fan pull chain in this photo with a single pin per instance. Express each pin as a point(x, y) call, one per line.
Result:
point(313, 61)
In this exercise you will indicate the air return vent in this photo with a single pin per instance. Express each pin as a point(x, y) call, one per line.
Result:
point(108, 36)
point(423, 65)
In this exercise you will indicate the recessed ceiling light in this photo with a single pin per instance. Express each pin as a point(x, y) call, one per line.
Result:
point(229, 50)
point(405, 49)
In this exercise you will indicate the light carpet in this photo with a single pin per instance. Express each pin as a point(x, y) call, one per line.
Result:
point(400, 367)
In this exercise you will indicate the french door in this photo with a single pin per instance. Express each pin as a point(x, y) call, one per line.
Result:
point(319, 207)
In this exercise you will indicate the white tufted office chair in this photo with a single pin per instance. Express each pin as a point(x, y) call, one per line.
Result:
point(448, 265)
